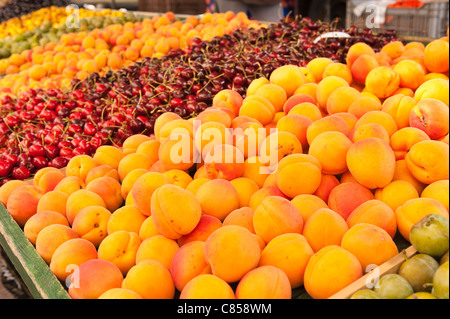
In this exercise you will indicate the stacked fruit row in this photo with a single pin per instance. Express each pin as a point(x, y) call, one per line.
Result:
point(367, 143)
point(108, 109)
point(22, 9)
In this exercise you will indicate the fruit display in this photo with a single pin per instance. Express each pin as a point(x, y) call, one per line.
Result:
point(424, 275)
point(14, 9)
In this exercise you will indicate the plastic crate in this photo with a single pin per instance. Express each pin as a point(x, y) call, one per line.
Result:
point(176, 6)
point(429, 21)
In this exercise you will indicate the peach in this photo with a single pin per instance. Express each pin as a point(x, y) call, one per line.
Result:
point(69, 184)
point(289, 77)
point(345, 197)
point(439, 191)
point(131, 162)
point(163, 119)
point(402, 173)
point(275, 94)
point(80, 166)
point(290, 253)
point(308, 109)
point(330, 123)
point(196, 183)
point(85, 283)
point(178, 177)
point(433, 89)
point(364, 105)
point(370, 130)
point(317, 66)
point(382, 81)
point(326, 87)
point(207, 286)
point(396, 193)
point(129, 181)
point(53, 201)
point(231, 99)
point(427, 161)
point(39, 221)
point(263, 193)
point(109, 189)
point(158, 248)
point(47, 178)
point(188, 262)
point(143, 189)
point(23, 202)
point(119, 293)
point(331, 148)
point(127, 218)
point(241, 217)
point(259, 108)
point(208, 192)
point(51, 237)
point(402, 140)
point(7, 188)
point(275, 216)
point(413, 210)
point(330, 270)
point(205, 227)
point(378, 117)
point(327, 184)
point(151, 280)
point(245, 188)
point(232, 251)
point(399, 107)
point(436, 56)
point(411, 74)
point(91, 223)
point(101, 171)
point(224, 162)
point(374, 212)
point(297, 99)
point(430, 116)
point(264, 282)
point(362, 66)
point(175, 211)
point(120, 248)
point(340, 99)
point(356, 50)
point(148, 229)
point(71, 254)
point(278, 145)
point(371, 162)
point(371, 244)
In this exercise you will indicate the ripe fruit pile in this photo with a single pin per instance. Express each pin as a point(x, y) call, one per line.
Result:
point(108, 109)
point(423, 276)
point(370, 160)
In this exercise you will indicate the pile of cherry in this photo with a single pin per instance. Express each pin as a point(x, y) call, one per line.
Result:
point(41, 128)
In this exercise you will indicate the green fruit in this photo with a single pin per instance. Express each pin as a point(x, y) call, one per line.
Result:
point(430, 235)
point(440, 282)
point(421, 295)
point(393, 286)
point(419, 270)
point(365, 294)
point(444, 258)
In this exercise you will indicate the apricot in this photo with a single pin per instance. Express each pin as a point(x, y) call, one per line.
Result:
point(427, 161)
point(356, 50)
point(51, 237)
point(129, 181)
point(259, 108)
point(80, 166)
point(232, 251)
point(379, 162)
point(109, 189)
point(177, 152)
point(256, 84)
point(399, 107)
point(317, 67)
point(430, 116)
point(402, 140)
point(245, 188)
point(340, 99)
point(393, 49)
point(131, 144)
point(188, 262)
point(205, 227)
point(436, 56)
point(256, 170)
point(47, 179)
point(224, 162)
point(345, 197)
point(411, 74)
point(264, 282)
point(370, 130)
point(71, 254)
point(396, 193)
point(338, 69)
point(207, 136)
point(91, 223)
point(297, 99)
point(39, 221)
point(350, 119)
point(330, 270)
point(101, 171)
point(378, 117)
point(233, 100)
point(241, 217)
point(53, 201)
point(70, 184)
point(131, 162)
point(327, 183)
point(207, 286)
point(308, 204)
point(127, 218)
point(175, 211)
point(439, 191)
point(263, 193)
point(364, 105)
point(274, 93)
point(148, 229)
point(433, 89)
point(7, 188)
point(163, 119)
point(85, 283)
point(149, 148)
point(308, 109)
point(306, 171)
point(289, 77)
point(371, 244)
point(297, 125)
point(23, 202)
point(362, 66)
point(402, 173)
point(143, 189)
point(158, 248)
point(326, 87)
point(151, 280)
point(290, 253)
point(330, 123)
point(413, 210)
point(119, 293)
point(195, 184)
point(382, 81)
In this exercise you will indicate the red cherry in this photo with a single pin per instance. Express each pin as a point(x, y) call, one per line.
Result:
point(5, 168)
point(21, 173)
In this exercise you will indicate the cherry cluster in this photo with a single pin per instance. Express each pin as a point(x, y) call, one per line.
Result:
point(43, 128)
